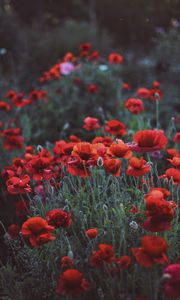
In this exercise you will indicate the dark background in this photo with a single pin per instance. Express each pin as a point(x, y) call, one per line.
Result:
point(36, 33)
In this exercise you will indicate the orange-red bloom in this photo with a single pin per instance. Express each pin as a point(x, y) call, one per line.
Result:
point(143, 93)
point(115, 127)
point(67, 262)
point(71, 282)
point(92, 233)
point(104, 254)
point(112, 166)
point(171, 281)
point(120, 150)
point(115, 58)
point(149, 140)
point(153, 251)
point(91, 123)
point(137, 167)
point(59, 218)
point(135, 106)
point(37, 231)
point(4, 106)
point(176, 138)
point(18, 185)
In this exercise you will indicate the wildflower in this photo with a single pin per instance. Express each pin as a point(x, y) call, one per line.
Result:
point(149, 140)
point(106, 140)
point(71, 282)
point(156, 84)
point(85, 152)
point(92, 88)
point(143, 93)
point(115, 58)
point(92, 233)
point(115, 127)
point(66, 68)
point(37, 231)
point(119, 149)
point(40, 167)
point(159, 213)
point(135, 106)
point(175, 161)
point(126, 86)
point(174, 174)
point(18, 185)
point(13, 231)
point(91, 123)
point(112, 166)
point(124, 262)
point(171, 281)
point(4, 106)
point(176, 138)
point(104, 254)
point(67, 262)
point(137, 167)
point(153, 251)
point(58, 218)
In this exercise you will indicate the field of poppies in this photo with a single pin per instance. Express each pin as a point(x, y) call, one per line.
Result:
point(89, 177)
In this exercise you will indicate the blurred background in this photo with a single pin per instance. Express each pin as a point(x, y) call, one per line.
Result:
point(35, 34)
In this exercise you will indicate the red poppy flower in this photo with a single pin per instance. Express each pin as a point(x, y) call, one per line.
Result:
point(104, 254)
point(94, 56)
point(159, 213)
point(62, 151)
point(106, 140)
point(119, 149)
point(149, 140)
point(67, 262)
point(137, 167)
point(71, 282)
point(174, 174)
point(91, 123)
point(59, 218)
point(176, 138)
point(85, 151)
point(143, 93)
point(175, 161)
point(18, 185)
point(153, 251)
point(74, 138)
point(171, 281)
point(78, 167)
point(160, 193)
point(112, 166)
point(92, 88)
point(13, 231)
point(40, 167)
point(115, 58)
point(92, 233)
point(124, 261)
point(85, 47)
point(156, 84)
point(172, 152)
point(4, 106)
point(155, 94)
point(126, 86)
point(135, 106)
point(115, 127)
point(37, 231)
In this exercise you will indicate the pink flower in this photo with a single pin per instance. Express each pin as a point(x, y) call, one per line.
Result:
point(66, 68)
